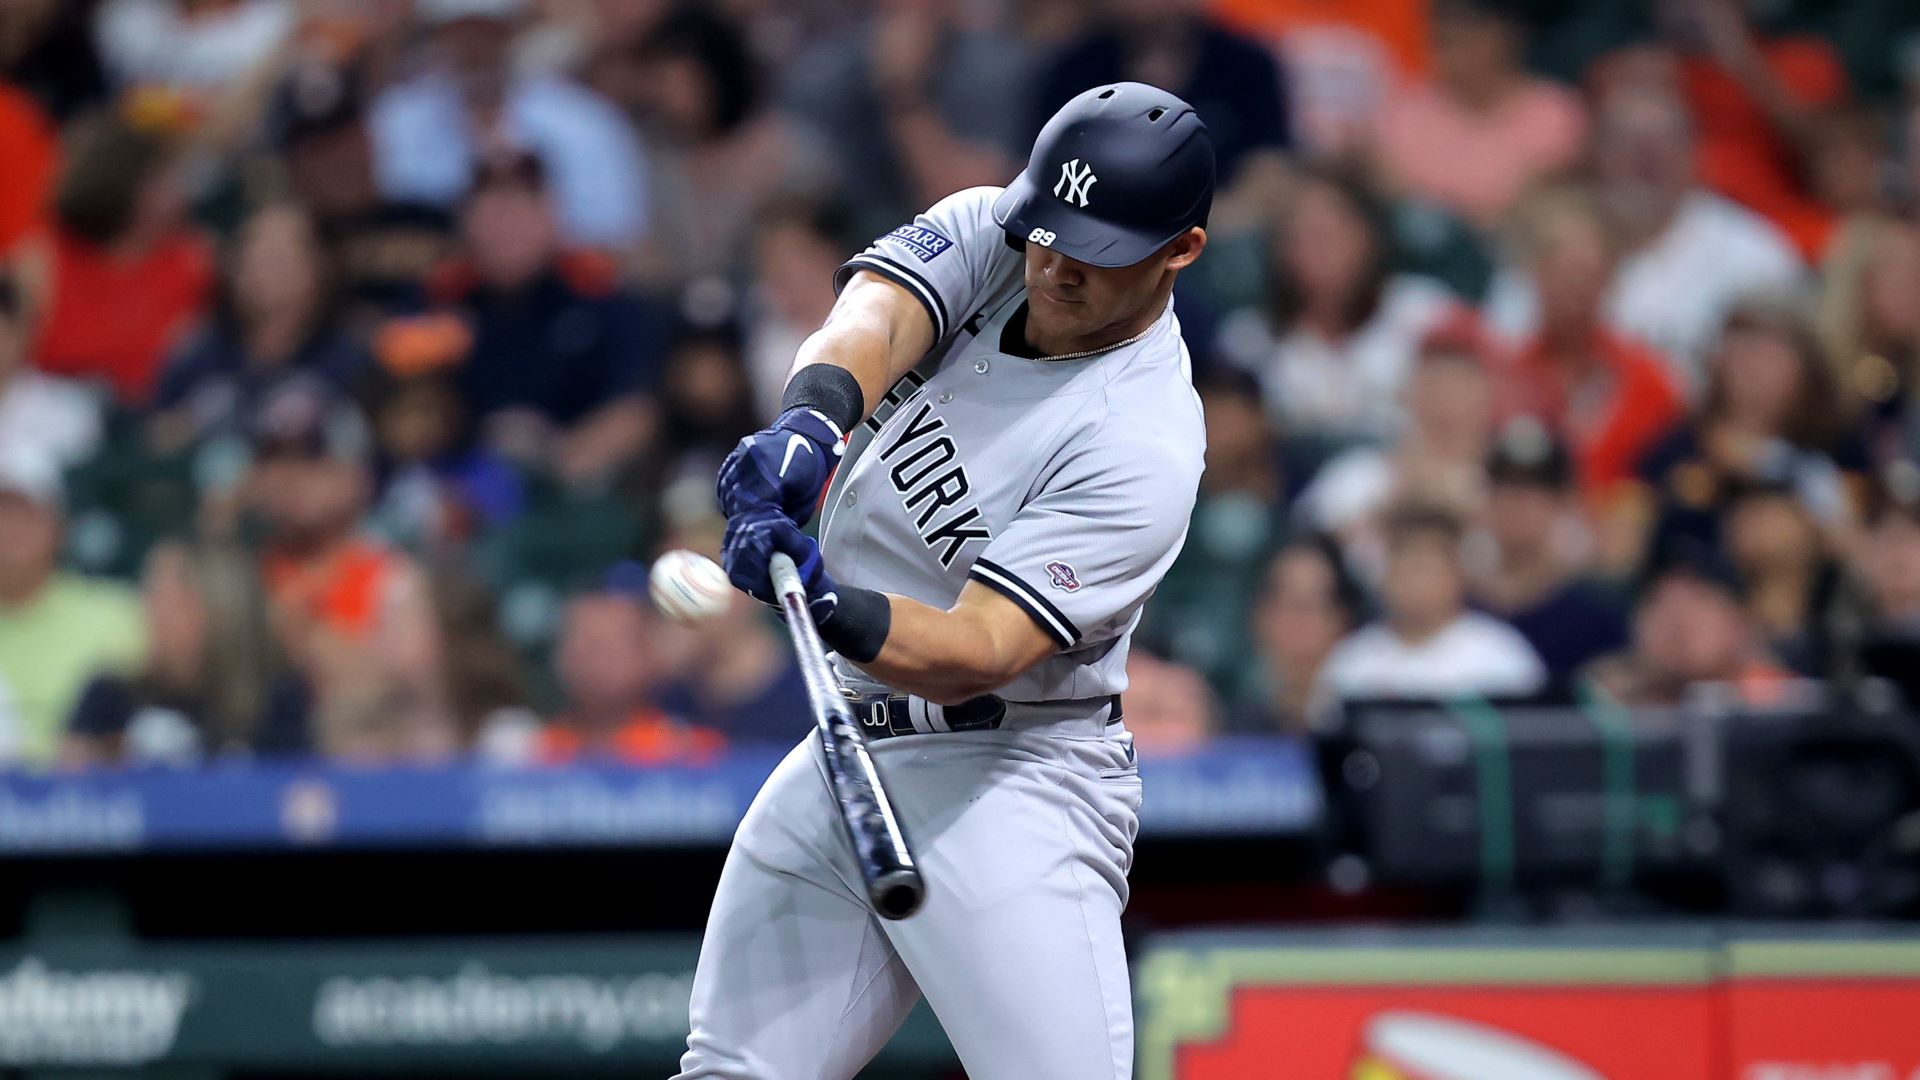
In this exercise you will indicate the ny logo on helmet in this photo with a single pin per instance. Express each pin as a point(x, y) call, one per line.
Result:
point(1074, 181)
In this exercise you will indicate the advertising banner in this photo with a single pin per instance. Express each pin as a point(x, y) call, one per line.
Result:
point(1551, 1005)
point(1236, 787)
point(1826, 1009)
point(469, 1006)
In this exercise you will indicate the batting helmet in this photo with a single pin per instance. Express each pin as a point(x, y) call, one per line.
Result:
point(1117, 173)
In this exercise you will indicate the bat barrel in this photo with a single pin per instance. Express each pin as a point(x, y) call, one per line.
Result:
point(894, 886)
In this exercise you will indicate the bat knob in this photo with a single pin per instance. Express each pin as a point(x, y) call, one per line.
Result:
point(896, 894)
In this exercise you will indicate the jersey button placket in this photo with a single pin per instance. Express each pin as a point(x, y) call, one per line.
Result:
point(980, 366)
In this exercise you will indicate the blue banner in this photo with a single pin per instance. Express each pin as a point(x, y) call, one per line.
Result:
point(1232, 787)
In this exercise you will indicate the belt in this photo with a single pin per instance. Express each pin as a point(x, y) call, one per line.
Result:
point(883, 716)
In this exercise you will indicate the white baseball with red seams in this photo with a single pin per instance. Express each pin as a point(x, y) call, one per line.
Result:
point(687, 587)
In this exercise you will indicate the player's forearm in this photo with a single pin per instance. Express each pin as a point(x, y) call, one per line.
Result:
point(944, 656)
point(856, 348)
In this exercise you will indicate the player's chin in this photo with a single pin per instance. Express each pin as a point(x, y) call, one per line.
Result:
point(1059, 318)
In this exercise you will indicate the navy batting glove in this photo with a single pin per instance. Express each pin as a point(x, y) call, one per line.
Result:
point(783, 468)
point(751, 541)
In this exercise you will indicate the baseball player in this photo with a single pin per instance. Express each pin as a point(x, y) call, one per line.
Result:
point(1025, 448)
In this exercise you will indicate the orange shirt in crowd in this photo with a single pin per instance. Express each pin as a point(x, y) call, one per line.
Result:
point(649, 737)
point(28, 154)
point(341, 591)
point(1739, 152)
point(1343, 60)
point(1607, 437)
point(1400, 25)
point(117, 319)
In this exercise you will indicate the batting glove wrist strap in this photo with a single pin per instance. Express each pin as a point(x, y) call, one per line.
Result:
point(829, 390)
point(857, 626)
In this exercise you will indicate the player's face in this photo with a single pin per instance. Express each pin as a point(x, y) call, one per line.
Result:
point(1072, 305)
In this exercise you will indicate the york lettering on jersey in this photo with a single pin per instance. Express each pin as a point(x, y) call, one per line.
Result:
point(923, 465)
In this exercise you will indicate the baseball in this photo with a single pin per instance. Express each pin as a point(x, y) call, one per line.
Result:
point(687, 586)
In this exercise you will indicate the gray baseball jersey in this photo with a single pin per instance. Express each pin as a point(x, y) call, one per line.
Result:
point(1065, 485)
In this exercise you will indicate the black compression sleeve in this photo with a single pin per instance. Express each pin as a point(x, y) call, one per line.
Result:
point(859, 624)
point(830, 389)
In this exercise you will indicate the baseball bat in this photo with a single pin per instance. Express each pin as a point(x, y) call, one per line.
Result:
point(893, 883)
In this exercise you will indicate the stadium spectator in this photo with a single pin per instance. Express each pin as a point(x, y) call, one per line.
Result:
point(438, 485)
point(1306, 607)
point(1871, 327)
point(1792, 584)
point(379, 249)
point(1772, 413)
point(563, 357)
point(1608, 396)
point(1887, 565)
point(1201, 611)
point(1476, 133)
point(797, 247)
point(1890, 554)
point(204, 51)
point(1690, 627)
point(429, 132)
point(1427, 642)
point(274, 320)
point(40, 414)
point(1686, 254)
point(47, 49)
point(1540, 580)
point(213, 681)
point(706, 400)
point(1339, 329)
point(610, 670)
point(735, 674)
point(120, 276)
point(57, 630)
point(1172, 44)
point(1438, 457)
point(30, 147)
point(1169, 707)
point(1763, 103)
point(486, 681)
point(354, 616)
point(949, 87)
point(722, 153)
point(1342, 59)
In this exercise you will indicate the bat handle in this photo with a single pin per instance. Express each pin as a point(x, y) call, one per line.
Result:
point(786, 577)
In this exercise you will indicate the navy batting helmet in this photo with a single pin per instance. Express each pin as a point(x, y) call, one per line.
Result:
point(1117, 173)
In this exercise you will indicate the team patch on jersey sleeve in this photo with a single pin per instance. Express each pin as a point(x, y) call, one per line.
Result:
point(1063, 577)
point(925, 243)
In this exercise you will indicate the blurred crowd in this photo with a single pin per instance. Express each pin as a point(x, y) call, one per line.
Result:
point(356, 355)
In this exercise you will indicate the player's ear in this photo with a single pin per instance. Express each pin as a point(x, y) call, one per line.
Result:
point(1185, 248)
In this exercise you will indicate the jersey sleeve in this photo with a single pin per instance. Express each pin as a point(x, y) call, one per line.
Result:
point(944, 257)
point(1082, 557)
